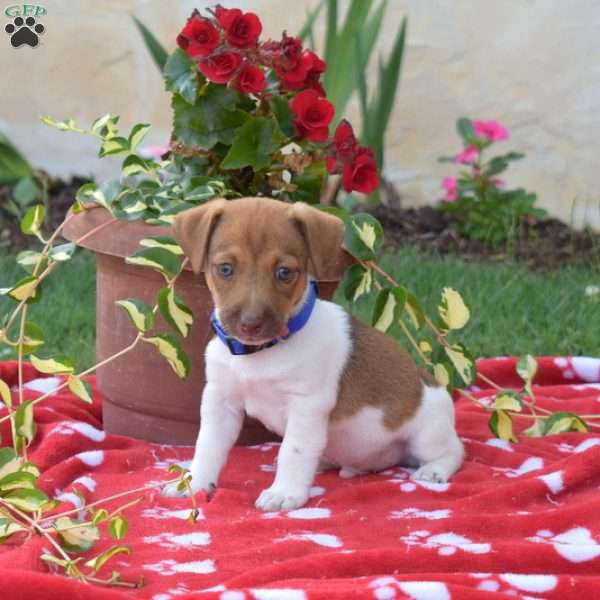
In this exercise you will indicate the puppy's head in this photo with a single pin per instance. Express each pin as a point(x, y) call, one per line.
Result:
point(257, 255)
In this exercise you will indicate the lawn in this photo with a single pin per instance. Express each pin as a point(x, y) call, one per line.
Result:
point(514, 311)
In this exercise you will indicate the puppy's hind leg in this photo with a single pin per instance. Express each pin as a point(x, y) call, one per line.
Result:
point(434, 442)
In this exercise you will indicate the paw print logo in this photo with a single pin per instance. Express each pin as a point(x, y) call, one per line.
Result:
point(24, 32)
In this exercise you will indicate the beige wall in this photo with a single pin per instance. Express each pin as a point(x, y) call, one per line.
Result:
point(532, 64)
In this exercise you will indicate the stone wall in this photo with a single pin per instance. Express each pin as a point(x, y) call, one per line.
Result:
point(534, 65)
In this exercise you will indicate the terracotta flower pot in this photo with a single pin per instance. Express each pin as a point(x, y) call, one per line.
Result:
point(143, 397)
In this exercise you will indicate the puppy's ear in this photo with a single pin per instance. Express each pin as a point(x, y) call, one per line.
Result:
point(193, 229)
point(324, 235)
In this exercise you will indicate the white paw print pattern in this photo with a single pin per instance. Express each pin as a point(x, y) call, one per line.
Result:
point(387, 588)
point(174, 541)
point(172, 567)
point(575, 545)
point(417, 513)
point(513, 583)
point(446, 544)
point(326, 540)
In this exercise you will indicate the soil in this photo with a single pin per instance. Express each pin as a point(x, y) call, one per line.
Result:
point(61, 195)
point(541, 244)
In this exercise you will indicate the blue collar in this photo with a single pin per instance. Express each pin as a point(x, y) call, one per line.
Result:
point(294, 324)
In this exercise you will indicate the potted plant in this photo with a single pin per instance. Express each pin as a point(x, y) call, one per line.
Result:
point(250, 118)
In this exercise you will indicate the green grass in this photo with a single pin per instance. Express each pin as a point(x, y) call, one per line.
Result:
point(66, 311)
point(514, 311)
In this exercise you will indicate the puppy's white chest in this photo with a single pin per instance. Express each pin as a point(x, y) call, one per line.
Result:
point(267, 404)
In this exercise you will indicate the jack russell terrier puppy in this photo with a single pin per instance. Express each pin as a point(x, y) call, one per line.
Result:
point(341, 394)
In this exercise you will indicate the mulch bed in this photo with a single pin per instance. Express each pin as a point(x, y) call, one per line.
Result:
point(542, 244)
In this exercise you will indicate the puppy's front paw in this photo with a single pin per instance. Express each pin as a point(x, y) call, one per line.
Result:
point(273, 499)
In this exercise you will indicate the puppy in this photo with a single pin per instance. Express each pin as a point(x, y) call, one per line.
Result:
point(341, 394)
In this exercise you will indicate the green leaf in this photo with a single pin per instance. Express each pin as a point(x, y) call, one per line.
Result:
point(26, 191)
point(174, 311)
point(414, 310)
point(8, 527)
point(76, 538)
point(106, 126)
point(500, 424)
point(51, 366)
point(170, 348)
point(535, 430)
point(159, 259)
point(388, 307)
point(181, 75)
point(310, 20)
point(464, 127)
point(10, 462)
point(27, 289)
point(33, 220)
point(99, 561)
point(103, 195)
point(130, 206)
point(118, 527)
point(363, 236)
point(441, 374)
point(82, 389)
point(67, 125)
point(508, 400)
point(28, 259)
point(462, 362)
point(380, 110)
point(62, 252)
point(161, 241)
point(5, 394)
point(453, 310)
point(98, 516)
point(33, 338)
point(212, 119)
point(134, 165)
point(24, 423)
point(18, 480)
point(138, 133)
point(526, 369)
point(561, 422)
point(13, 165)
point(280, 106)
point(154, 47)
point(138, 312)
point(113, 146)
point(357, 282)
point(28, 500)
point(252, 145)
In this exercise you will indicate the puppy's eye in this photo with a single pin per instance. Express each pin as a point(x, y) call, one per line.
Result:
point(225, 270)
point(284, 274)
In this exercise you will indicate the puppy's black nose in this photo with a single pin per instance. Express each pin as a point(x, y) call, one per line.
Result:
point(251, 327)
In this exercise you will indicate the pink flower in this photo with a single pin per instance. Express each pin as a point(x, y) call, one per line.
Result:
point(497, 182)
point(451, 186)
point(154, 152)
point(492, 130)
point(468, 155)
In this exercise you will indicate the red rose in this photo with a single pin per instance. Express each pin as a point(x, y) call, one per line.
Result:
point(241, 29)
point(361, 174)
point(199, 37)
point(305, 74)
point(313, 115)
point(251, 80)
point(289, 51)
point(221, 67)
point(294, 77)
point(344, 147)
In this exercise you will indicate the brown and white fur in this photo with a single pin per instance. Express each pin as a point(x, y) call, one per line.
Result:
point(340, 393)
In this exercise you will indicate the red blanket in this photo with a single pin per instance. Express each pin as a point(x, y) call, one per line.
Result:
point(517, 520)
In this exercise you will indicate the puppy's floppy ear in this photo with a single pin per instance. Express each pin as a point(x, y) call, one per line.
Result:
point(193, 229)
point(324, 235)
